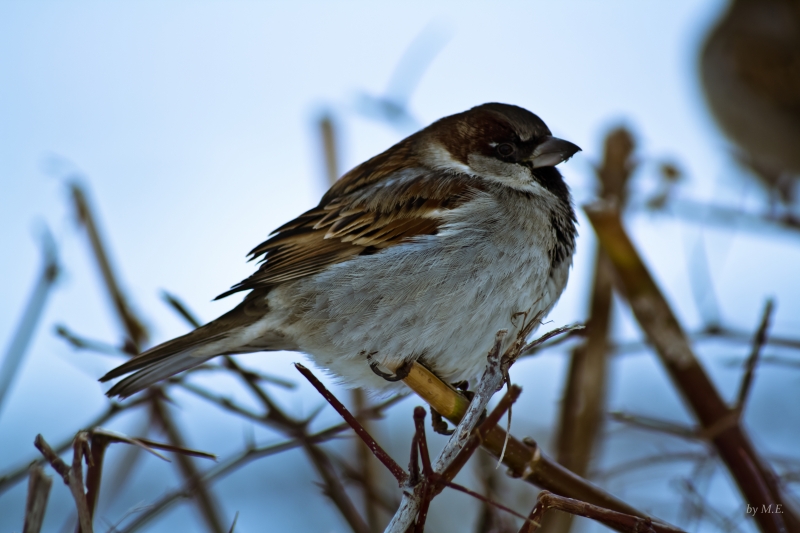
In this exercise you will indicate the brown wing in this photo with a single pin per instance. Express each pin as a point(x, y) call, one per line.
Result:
point(364, 212)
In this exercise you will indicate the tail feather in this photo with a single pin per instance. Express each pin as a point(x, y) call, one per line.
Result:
point(164, 361)
point(155, 371)
point(238, 331)
point(156, 355)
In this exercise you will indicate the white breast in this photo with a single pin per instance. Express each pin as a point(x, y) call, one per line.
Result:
point(438, 298)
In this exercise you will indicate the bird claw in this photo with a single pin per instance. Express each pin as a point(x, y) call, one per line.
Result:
point(400, 374)
point(439, 424)
point(463, 387)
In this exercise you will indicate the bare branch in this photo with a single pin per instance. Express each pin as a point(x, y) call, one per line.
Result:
point(397, 471)
point(753, 476)
point(613, 519)
point(207, 503)
point(35, 506)
point(15, 476)
point(73, 477)
point(759, 341)
point(227, 467)
point(181, 309)
point(491, 380)
point(15, 353)
point(133, 327)
point(657, 425)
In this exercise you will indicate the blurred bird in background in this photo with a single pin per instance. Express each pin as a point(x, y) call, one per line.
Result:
point(750, 72)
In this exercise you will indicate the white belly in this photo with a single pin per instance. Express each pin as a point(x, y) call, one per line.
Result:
point(440, 298)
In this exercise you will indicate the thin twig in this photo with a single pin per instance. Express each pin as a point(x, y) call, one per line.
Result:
point(481, 497)
point(333, 488)
point(491, 380)
point(383, 501)
point(725, 216)
point(703, 508)
point(15, 353)
point(636, 465)
point(82, 343)
point(15, 476)
point(234, 463)
point(73, 477)
point(181, 309)
point(132, 326)
point(759, 341)
point(657, 425)
point(233, 525)
point(397, 471)
point(532, 346)
point(618, 521)
point(207, 503)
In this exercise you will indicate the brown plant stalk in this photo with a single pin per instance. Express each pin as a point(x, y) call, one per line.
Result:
point(720, 423)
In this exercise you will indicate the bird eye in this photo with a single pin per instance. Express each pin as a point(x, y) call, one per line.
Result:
point(506, 149)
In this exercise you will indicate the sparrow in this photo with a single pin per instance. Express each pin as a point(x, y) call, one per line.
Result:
point(750, 73)
point(421, 253)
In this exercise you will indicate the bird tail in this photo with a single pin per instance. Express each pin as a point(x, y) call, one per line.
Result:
point(160, 362)
point(238, 331)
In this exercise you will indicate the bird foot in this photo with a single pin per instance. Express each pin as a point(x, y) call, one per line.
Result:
point(400, 374)
point(439, 424)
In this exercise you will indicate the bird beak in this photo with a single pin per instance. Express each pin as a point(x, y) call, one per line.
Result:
point(552, 151)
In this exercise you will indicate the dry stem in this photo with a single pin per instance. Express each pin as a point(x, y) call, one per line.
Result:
point(720, 423)
point(35, 506)
point(619, 521)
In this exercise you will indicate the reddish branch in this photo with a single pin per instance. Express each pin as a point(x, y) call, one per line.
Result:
point(397, 471)
point(618, 521)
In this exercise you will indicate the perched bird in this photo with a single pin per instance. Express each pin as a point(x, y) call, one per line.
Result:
point(750, 72)
point(421, 253)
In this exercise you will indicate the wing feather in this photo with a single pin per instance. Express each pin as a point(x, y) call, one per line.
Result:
point(359, 215)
